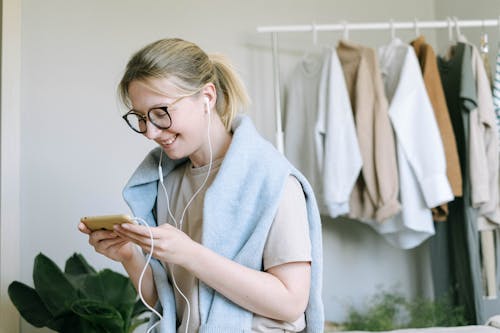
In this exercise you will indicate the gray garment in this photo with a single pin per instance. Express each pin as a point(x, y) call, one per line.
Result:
point(455, 249)
point(492, 306)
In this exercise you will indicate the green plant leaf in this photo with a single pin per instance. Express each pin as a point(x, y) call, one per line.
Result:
point(80, 300)
point(139, 308)
point(29, 304)
point(73, 323)
point(387, 309)
point(55, 290)
point(77, 265)
point(64, 321)
point(136, 323)
point(110, 287)
point(99, 314)
point(76, 280)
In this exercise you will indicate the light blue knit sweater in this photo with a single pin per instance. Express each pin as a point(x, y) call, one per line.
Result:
point(239, 209)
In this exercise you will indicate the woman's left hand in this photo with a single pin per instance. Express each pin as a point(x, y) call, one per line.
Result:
point(170, 244)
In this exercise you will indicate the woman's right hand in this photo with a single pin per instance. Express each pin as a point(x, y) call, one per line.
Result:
point(108, 243)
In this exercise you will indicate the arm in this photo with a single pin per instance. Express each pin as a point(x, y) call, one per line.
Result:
point(134, 267)
point(281, 293)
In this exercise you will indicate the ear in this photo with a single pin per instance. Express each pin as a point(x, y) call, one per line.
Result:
point(209, 96)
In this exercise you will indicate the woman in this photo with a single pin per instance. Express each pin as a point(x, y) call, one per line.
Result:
point(236, 230)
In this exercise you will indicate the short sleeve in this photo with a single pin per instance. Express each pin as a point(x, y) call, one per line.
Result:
point(288, 239)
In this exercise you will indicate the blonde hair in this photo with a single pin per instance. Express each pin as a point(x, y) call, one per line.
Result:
point(189, 68)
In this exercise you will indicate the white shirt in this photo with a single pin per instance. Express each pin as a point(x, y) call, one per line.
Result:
point(421, 160)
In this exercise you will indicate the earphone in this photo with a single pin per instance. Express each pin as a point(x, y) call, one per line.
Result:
point(177, 225)
point(207, 104)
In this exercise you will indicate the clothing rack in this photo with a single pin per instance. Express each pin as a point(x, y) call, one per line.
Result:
point(380, 25)
point(345, 27)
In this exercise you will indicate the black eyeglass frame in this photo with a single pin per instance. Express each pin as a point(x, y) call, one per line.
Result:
point(146, 118)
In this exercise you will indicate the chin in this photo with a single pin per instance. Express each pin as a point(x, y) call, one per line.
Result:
point(174, 155)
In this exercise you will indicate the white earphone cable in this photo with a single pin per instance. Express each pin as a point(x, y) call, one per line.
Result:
point(177, 225)
point(139, 284)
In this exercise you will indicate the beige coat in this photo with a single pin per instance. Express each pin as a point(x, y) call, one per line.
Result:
point(375, 194)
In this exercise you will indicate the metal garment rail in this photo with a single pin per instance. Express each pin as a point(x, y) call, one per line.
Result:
point(345, 27)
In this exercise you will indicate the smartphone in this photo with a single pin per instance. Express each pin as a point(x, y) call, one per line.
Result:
point(105, 222)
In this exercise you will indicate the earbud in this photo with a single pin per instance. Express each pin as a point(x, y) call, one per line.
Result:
point(207, 104)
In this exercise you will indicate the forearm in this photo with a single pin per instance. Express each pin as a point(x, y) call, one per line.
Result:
point(134, 267)
point(259, 292)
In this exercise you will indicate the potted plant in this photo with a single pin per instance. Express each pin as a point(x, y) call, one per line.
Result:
point(78, 300)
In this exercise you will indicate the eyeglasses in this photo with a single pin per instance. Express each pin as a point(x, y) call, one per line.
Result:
point(158, 116)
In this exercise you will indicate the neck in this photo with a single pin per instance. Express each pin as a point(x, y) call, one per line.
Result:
point(220, 140)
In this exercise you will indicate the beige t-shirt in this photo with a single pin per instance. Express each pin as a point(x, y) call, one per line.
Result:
point(288, 239)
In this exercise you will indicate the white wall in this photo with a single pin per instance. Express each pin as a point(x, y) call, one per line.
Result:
point(76, 153)
point(10, 158)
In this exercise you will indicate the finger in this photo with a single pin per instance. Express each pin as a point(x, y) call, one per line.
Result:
point(145, 248)
point(133, 237)
point(105, 245)
point(144, 245)
point(137, 229)
point(83, 228)
point(100, 235)
point(134, 232)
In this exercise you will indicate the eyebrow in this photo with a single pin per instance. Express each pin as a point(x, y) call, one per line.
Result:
point(156, 106)
point(163, 105)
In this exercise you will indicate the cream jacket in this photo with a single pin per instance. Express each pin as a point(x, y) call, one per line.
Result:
point(375, 194)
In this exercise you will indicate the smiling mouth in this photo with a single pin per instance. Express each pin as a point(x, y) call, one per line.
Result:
point(170, 141)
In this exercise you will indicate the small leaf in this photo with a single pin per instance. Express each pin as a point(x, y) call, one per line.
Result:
point(77, 265)
point(99, 314)
point(29, 304)
point(56, 292)
point(139, 308)
point(136, 323)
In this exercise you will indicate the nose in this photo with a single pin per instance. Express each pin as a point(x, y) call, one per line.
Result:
point(152, 132)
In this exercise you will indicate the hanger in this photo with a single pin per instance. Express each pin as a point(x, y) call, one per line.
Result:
point(450, 49)
point(417, 30)
point(498, 24)
point(309, 59)
point(450, 30)
point(483, 42)
point(393, 29)
point(314, 34)
point(345, 33)
point(458, 33)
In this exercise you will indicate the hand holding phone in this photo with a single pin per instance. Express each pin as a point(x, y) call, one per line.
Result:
point(105, 222)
